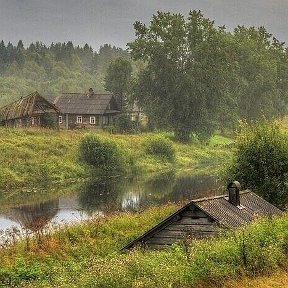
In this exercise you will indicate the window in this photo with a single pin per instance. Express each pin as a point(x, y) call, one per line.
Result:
point(79, 119)
point(92, 120)
point(60, 119)
point(32, 121)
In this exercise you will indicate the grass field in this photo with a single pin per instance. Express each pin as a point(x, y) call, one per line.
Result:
point(33, 157)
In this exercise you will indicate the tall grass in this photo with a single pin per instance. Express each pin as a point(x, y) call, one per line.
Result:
point(87, 255)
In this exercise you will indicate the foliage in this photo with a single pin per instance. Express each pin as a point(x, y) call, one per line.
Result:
point(199, 78)
point(118, 79)
point(261, 161)
point(186, 72)
point(52, 69)
point(48, 120)
point(161, 147)
point(103, 154)
point(124, 124)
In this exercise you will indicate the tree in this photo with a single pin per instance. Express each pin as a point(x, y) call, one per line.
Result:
point(259, 87)
point(183, 86)
point(261, 161)
point(118, 79)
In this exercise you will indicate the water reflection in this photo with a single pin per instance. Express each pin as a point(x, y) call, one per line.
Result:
point(34, 217)
point(103, 196)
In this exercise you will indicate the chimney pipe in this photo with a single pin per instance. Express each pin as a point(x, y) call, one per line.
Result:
point(91, 92)
point(234, 193)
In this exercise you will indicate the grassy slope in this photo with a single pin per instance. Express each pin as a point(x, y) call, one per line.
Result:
point(29, 157)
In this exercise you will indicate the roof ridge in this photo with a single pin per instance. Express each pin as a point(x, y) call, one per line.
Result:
point(21, 98)
point(219, 196)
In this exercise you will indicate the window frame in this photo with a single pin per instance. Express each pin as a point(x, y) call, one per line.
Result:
point(79, 119)
point(94, 120)
point(60, 119)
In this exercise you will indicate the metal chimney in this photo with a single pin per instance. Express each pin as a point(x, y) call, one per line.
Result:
point(234, 193)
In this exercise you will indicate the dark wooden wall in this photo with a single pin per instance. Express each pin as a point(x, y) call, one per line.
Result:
point(193, 223)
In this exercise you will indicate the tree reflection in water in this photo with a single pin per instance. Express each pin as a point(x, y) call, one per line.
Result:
point(36, 216)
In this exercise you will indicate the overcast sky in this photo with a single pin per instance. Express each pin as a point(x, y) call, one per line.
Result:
point(111, 21)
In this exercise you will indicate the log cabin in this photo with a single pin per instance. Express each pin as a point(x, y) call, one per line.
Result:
point(206, 217)
point(29, 111)
point(86, 110)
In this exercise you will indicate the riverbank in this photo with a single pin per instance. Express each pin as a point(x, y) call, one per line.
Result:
point(34, 157)
point(87, 255)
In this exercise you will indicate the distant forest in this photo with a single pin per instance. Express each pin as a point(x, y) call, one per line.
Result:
point(51, 70)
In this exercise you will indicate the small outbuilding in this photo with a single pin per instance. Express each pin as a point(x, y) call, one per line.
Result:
point(30, 111)
point(205, 217)
point(86, 110)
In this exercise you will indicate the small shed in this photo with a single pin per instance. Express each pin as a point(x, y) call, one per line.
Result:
point(205, 217)
point(29, 111)
point(86, 110)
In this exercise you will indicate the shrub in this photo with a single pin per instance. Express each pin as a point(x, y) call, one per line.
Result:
point(160, 147)
point(124, 124)
point(102, 154)
point(48, 120)
point(261, 161)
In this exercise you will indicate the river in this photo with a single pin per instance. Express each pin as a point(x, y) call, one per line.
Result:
point(103, 197)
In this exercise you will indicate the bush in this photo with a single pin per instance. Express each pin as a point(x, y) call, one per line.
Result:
point(102, 154)
point(160, 147)
point(48, 120)
point(261, 161)
point(124, 124)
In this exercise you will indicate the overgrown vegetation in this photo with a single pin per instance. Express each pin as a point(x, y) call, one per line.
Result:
point(261, 161)
point(87, 255)
point(103, 154)
point(161, 147)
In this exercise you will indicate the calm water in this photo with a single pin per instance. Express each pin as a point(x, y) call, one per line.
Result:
point(104, 196)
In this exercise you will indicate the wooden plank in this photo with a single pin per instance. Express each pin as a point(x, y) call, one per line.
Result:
point(162, 240)
point(189, 220)
point(171, 233)
point(186, 227)
point(189, 213)
point(156, 246)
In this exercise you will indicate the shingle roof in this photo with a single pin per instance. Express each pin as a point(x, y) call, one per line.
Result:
point(74, 103)
point(24, 107)
point(230, 216)
point(222, 211)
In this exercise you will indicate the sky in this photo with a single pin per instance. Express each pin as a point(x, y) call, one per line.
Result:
point(97, 22)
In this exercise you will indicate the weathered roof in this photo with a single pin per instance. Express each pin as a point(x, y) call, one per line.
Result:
point(26, 106)
point(221, 211)
point(231, 216)
point(76, 103)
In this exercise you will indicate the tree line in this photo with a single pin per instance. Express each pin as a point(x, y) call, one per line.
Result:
point(51, 70)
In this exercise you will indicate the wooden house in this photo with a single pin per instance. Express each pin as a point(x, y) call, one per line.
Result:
point(205, 217)
point(28, 111)
point(88, 110)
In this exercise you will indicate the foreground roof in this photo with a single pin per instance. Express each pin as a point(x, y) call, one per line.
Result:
point(219, 209)
point(77, 103)
point(26, 106)
point(231, 216)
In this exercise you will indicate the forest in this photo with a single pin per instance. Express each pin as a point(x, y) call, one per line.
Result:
point(51, 70)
